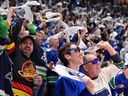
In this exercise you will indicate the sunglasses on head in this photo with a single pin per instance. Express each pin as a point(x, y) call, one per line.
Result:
point(94, 61)
point(77, 49)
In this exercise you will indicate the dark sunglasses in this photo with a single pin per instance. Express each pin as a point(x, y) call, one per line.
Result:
point(77, 49)
point(94, 61)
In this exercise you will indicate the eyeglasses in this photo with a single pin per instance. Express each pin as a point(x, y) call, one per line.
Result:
point(77, 49)
point(94, 61)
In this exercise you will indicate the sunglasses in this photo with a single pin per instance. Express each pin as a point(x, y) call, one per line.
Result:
point(94, 61)
point(77, 49)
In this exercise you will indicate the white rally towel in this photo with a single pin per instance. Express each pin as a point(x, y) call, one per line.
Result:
point(24, 12)
point(5, 4)
point(3, 11)
point(55, 36)
point(64, 25)
point(82, 45)
point(50, 15)
point(53, 16)
point(108, 18)
point(32, 3)
point(68, 72)
point(92, 49)
point(53, 19)
point(71, 32)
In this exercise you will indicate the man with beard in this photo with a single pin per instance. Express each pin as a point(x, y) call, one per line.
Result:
point(24, 73)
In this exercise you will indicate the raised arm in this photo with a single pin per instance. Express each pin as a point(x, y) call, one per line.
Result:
point(108, 47)
point(114, 55)
point(9, 15)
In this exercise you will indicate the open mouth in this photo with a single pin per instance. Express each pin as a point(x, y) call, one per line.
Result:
point(27, 50)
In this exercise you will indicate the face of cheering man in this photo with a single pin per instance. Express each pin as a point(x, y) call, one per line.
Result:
point(70, 55)
point(26, 47)
point(75, 54)
point(91, 65)
point(40, 36)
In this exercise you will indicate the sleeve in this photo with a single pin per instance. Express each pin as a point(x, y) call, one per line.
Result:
point(15, 30)
point(10, 48)
point(122, 52)
point(65, 87)
point(118, 61)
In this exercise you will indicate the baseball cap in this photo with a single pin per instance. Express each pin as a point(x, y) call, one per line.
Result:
point(27, 37)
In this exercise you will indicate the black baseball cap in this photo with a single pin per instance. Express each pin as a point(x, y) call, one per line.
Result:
point(28, 37)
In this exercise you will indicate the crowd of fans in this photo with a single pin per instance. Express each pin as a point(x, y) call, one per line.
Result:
point(63, 49)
